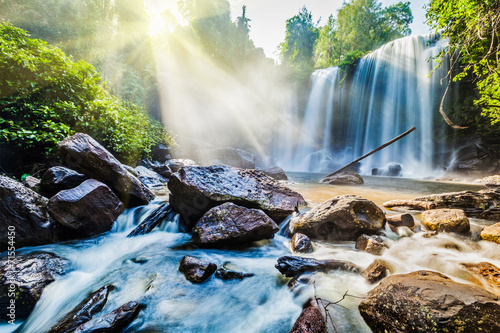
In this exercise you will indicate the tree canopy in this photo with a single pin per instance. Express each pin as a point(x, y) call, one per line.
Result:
point(473, 28)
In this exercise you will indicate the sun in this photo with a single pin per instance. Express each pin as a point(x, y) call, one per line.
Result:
point(156, 24)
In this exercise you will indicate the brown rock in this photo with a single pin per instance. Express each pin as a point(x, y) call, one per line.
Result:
point(370, 243)
point(232, 224)
point(86, 155)
point(195, 190)
point(377, 270)
point(344, 178)
point(491, 233)
point(400, 220)
point(489, 273)
point(343, 217)
point(301, 243)
point(449, 220)
point(311, 320)
point(59, 178)
point(196, 270)
point(276, 173)
point(426, 301)
point(87, 210)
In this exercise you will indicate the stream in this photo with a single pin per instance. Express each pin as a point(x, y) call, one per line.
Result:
point(145, 269)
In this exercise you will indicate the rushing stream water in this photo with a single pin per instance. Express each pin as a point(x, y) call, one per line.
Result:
point(145, 269)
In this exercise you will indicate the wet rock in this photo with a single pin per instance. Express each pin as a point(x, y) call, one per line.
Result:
point(344, 178)
point(483, 204)
point(400, 220)
point(426, 301)
point(393, 170)
point(488, 273)
point(430, 234)
point(87, 210)
point(276, 173)
point(311, 320)
point(301, 243)
point(291, 266)
point(152, 221)
point(59, 178)
point(475, 160)
point(149, 177)
point(196, 270)
point(229, 271)
point(32, 183)
point(24, 216)
point(84, 311)
point(112, 322)
point(232, 224)
point(86, 155)
point(491, 233)
point(229, 156)
point(490, 180)
point(449, 220)
point(343, 217)
point(161, 153)
point(176, 164)
point(24, 278)
point(160, 168)
point(370, 243)
point(195, 190)
point(377, 270)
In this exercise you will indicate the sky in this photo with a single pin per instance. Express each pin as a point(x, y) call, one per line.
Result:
point(269, 16)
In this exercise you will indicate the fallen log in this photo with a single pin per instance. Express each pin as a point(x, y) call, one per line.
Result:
point(412, 204)
point(151, 221)
point(291, 266)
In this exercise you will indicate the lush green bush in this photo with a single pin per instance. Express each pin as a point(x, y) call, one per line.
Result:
point(46, 96)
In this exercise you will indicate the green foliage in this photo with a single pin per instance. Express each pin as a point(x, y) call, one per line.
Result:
point(297, 50)
point(472, 27)
point(361, 26)
point(46, 96)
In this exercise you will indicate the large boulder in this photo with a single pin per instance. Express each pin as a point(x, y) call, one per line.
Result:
point(475, 160)
point(426, 301)
point(449, 220)
point(291, 266)
point(344, 178)
point(483, 204)
point(22, 280)
point(196, 270)
point(344, 217)
point(195, 190)
point(234, 157)
point(86, 155)
point(87, 210)
point(59, 178)
point(115, 321)
point(311, 320)
point(24, 218)
point(83, 312)
point(276, 173)
point(232, 224)
point(491, 233)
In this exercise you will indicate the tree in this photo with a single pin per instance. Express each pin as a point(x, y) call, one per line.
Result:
point(473, 28)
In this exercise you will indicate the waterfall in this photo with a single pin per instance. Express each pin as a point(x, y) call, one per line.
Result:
point(390, 92)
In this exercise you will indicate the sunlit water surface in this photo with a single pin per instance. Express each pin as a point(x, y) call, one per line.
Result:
point(145, 269)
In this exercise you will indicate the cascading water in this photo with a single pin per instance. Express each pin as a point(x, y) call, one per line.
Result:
point(390, 92)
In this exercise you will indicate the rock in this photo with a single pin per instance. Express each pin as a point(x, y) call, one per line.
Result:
point(84, 311)
point(232, 224)
point(475, 160)
point(195, 190)
point(32, 183)
point(196, 270)
point(89, 157)
point(149, 177)
point(153, 220)
point(449, 220)
point(176, 164)
point(491, 233)
point(161, 153)
point(301, 243)
point(114, 321)
point(160, 168)
point(488, 273)
point(426, 301)
point(400, 220)
point(229, 156)
point(276, 173)
point(229, 271)
point(343, 217)
point(59, 178)
point(23, 279)
point(490, 180)
point(370, 243)
point(377, 270)
point(482, 204)
point(87, 210)
point(344, 178)
point(393, 170)
point(24, 216)
point(291, 266)
point(311, 320)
